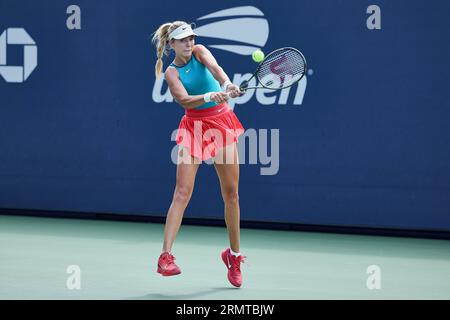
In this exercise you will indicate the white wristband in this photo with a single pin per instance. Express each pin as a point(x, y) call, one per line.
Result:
point(226, 84)
point(207, 96)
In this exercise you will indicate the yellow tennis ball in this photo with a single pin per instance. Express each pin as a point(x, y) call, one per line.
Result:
point(258, 55)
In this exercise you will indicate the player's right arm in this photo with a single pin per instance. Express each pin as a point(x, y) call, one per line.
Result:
point(181, 96)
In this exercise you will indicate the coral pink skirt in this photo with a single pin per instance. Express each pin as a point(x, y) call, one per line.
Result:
point(205, 131)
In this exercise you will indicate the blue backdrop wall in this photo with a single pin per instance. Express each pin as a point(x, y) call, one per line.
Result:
point(364, 140)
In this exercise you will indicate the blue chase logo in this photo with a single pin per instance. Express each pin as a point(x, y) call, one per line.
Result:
point(17, 36)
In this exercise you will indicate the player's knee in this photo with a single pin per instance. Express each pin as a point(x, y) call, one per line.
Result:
point(230, 197)
point(182, 194)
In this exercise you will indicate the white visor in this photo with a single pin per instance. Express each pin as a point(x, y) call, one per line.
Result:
point(182, 32)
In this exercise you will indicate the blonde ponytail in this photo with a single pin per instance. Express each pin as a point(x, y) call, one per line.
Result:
point(161, 40)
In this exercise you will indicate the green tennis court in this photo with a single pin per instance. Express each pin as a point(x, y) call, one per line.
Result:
point(117, 260)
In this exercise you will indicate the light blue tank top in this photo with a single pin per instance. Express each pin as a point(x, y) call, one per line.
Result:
point(197, 80)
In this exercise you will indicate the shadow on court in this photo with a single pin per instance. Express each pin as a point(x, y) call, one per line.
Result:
point(194, 295)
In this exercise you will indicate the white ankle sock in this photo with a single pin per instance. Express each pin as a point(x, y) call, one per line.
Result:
point(236, 254)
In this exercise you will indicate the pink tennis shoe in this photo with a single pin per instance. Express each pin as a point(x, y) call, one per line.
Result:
point(167, 266)
point(233, 265)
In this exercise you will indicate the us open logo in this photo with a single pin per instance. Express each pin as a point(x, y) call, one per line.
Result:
point(241, 31)
point(17, 36)
point(249, 29)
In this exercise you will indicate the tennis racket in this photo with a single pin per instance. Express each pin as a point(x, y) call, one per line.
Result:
point(280, 69)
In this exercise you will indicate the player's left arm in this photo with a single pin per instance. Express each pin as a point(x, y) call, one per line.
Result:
point(206, 58)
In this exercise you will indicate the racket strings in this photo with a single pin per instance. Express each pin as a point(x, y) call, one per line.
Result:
point(281, 69)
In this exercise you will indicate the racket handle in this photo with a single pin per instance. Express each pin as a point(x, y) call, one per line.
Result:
point(229, 94)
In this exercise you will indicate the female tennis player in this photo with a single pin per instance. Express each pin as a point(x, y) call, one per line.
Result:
point(208, 130)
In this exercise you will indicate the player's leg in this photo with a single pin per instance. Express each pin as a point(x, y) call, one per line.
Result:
point(186, 171)
point(227, 168)
point(228, 172)
point(185, 179)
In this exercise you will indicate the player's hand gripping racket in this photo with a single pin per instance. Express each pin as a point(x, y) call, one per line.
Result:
point(280, 69)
